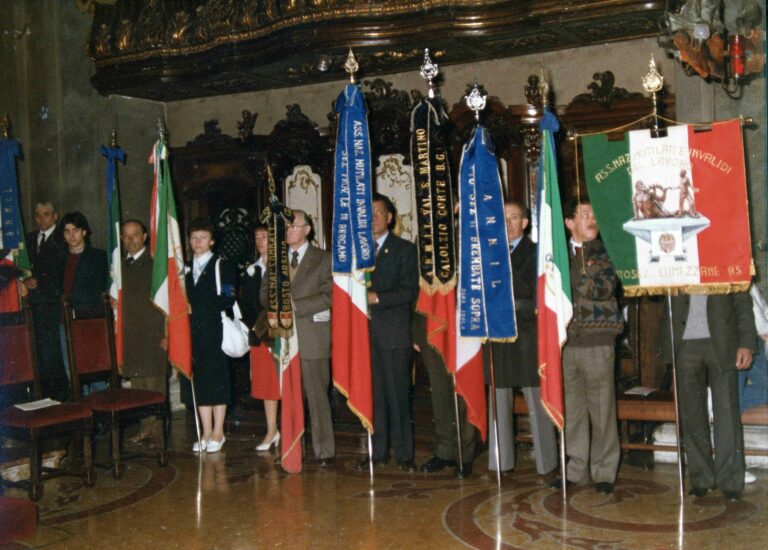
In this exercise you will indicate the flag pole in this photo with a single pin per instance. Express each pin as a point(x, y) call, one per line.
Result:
point(460, 469)
point(370, 456)
point(680, 473)
point(197, 419)
point(495, 423)
point(562, 465)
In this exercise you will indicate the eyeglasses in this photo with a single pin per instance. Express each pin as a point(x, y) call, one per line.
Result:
point(297, 226)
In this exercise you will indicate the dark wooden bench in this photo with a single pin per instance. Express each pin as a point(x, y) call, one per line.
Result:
point(658, 406)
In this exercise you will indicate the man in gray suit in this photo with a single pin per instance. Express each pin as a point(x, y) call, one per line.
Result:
point(714, 339)
point(311, 286)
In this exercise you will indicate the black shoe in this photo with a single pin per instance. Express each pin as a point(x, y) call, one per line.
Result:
point(435, 464)
point(365, 463)
point(604, 487)
point(698, 492)
point(464, 471)
point(407, 466)
point(557, 483)
point(732, 496)
point(326, 462)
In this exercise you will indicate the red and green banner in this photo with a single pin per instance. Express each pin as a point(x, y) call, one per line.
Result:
point(673, 210)
point(168, 291)
point(286, 351)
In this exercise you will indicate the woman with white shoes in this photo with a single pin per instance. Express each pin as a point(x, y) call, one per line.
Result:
point(210, 366)
point(265, 383)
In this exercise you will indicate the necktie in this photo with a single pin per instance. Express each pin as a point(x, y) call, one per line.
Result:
point(42, 241)
point(295, 259)
point(375, 248)
point(129, 260)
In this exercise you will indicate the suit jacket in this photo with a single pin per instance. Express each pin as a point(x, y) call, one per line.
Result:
point(731, 324)
point(515, 364)
point(396, 282)
point(143, 323)
point(311, 289)
point(90, 280)
point(47, 265)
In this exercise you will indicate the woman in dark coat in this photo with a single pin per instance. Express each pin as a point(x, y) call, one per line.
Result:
point(265, 383)
point(210, 366)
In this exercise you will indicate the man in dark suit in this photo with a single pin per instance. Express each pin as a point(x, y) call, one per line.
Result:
point(714, 339)
point(47, 251)
point(309, 268)
point(145, 360)
point(83, 276)
point(391, 297)
point(516, 364)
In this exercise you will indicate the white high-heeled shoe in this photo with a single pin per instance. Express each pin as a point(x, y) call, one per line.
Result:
point(265, 446)
point(215, 446)
point(200, 446)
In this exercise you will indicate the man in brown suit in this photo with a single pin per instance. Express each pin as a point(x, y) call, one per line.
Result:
point(145, 359)
point(311, 286)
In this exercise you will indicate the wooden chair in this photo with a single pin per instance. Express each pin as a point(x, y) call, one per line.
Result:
point(91, 351)
point(18, 367)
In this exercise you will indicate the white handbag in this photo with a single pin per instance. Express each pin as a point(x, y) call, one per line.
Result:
point(234, 341)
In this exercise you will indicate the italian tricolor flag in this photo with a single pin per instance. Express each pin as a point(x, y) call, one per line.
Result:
point(114, 249)
point(286, 351)
point(351, 347)
point(555, 306)
point(672, 210)
point(463, 357)
point(168, 292)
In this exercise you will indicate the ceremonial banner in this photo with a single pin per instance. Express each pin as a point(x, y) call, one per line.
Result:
point(11, 227)
point(280, 307)
point(553, 293)
point(352, 210)
point(353, 255)
point(114, 250)
point(486, 303)
point(168, 292)
point(673, 210)
point(286, 351)
point(437, 258)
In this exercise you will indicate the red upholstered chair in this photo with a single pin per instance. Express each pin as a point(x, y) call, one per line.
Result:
point(18, 367)
point(91, 350)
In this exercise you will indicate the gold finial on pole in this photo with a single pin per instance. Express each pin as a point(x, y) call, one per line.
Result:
point(270, 178)
point(351, 66)
point(543, 88)
point(475, 100)
point(428, 72)
point(161, 130)
point(653, 82)
point(5, 124)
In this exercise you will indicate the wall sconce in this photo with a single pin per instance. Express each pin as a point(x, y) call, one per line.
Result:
point(323, 63)
point(696, 36)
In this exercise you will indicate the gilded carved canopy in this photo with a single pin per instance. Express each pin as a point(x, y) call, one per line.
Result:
point(176, 49)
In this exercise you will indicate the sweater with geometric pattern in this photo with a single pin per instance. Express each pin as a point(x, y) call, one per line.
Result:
point(594, 284)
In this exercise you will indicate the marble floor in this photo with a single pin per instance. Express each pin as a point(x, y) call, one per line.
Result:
point(239, 499)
